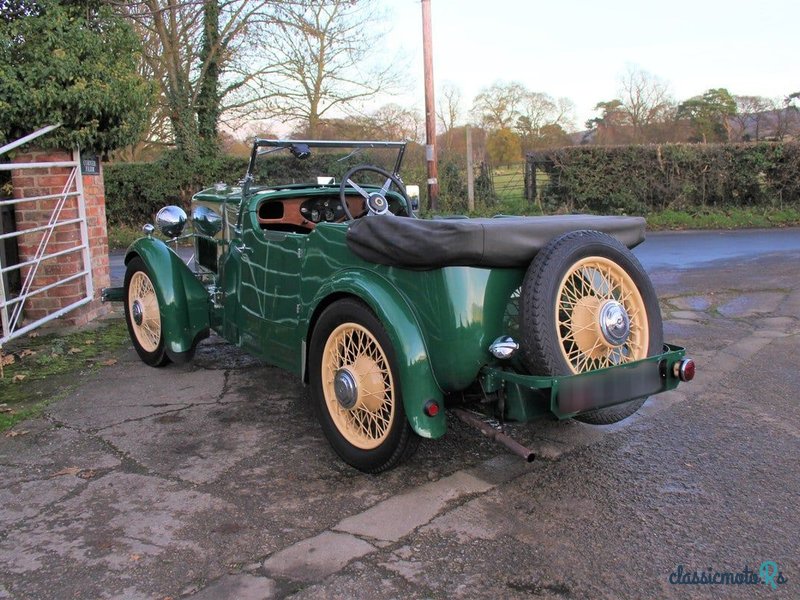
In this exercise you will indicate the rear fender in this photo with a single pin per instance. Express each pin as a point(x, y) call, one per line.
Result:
point(417, 380)
point(182, 299)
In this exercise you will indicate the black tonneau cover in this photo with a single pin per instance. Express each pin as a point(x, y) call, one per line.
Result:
point(494, 242)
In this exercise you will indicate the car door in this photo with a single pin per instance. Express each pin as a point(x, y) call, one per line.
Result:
point(269, 293)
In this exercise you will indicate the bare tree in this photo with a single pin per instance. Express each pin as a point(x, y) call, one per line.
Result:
point(645, 99)
point(449, 109)
point(390, 121)
point(158, 135)
point(394, 122)
point(544, 120)
point(537, 110)
point(320, 54)
point(498, 106)
point(565, 109)
point(785, 123)
point(196, 52)
point(752, 114)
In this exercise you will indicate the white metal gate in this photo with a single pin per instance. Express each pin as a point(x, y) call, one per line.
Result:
point(13, 304)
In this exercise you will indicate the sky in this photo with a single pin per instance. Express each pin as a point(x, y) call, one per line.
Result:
point(581, 48)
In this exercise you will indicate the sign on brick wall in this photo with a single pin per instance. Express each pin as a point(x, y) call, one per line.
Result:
point(90, 164)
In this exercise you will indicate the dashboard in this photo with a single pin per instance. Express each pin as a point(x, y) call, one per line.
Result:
point(302, 214)
point(318, 210)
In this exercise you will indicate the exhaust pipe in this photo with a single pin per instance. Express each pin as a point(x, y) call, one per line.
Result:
point(498, 436)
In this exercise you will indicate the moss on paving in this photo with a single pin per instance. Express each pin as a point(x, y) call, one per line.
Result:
point(42, 367)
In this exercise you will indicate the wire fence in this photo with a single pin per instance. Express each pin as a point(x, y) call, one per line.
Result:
point(496, 189)
point(508, 182)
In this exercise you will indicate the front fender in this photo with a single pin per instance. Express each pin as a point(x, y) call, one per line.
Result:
point(182, 299)
point(417, 380)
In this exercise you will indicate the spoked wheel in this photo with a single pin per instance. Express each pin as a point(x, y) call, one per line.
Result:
point(356, 392)
point(588, 304)
point(602, 320)
point(143, 315)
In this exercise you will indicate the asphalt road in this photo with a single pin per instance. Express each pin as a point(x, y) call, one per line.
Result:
point(213, 480)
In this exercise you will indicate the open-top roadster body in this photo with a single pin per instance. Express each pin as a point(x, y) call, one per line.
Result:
point(391, 318)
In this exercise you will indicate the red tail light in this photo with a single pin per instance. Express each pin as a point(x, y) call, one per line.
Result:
point(431, 408)
point(684, 370)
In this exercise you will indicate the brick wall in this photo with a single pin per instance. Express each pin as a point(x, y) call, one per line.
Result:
point(51, 180)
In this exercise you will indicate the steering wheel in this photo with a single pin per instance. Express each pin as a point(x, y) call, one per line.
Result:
point(375, 201)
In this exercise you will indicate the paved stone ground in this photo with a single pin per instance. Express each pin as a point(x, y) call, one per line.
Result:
point(213, 480)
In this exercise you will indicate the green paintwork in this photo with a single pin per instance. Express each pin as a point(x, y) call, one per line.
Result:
point(529, 396)
point(417, 380)
point(182, 299)
point(273, 285)
point(458, 310)
point(229, 194)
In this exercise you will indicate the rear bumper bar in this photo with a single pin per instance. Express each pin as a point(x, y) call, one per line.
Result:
point(569, 395)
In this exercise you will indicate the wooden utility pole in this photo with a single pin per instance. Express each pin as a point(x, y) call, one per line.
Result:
point(430, 108)
point(470, 173)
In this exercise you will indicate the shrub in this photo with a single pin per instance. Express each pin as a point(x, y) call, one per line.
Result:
point(136, 191)
point(640, 179)
point(73, 63)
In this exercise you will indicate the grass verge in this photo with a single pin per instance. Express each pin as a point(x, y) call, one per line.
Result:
point(41, 368)
point(122, 236)
point(704, 218)
point(733, 218)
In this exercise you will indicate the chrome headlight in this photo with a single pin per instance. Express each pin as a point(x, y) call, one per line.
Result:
point(206, 221)
point(171, 220)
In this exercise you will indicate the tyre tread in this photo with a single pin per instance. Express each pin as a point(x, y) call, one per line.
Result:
point(158, 358)
point(543, 357)
point(407, 441)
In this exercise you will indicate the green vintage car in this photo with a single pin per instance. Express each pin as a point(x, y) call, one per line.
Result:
point(391, 319)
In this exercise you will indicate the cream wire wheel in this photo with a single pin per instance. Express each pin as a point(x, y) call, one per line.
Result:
point(587, 304)
point(601, 316)
point(358, 386)
point(143, 315)
point(355, 388)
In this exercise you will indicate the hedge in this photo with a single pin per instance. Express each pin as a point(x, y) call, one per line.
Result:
point(640, 179)
point(136, 191)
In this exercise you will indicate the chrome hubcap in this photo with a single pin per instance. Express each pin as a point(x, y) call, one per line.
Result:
point(615, 324)
point(344, 385)
point(137, 312)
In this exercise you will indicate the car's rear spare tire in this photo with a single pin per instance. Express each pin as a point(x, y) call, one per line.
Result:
point(588, 304)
